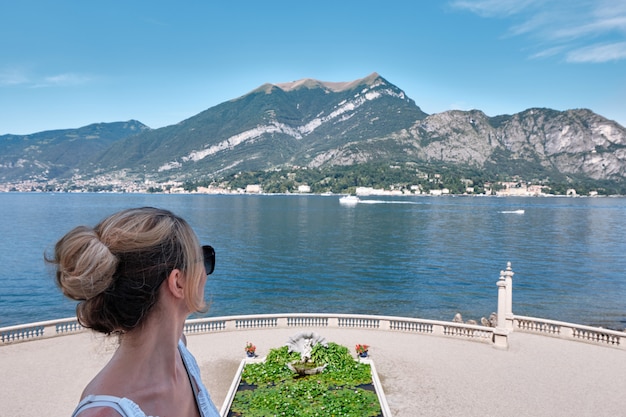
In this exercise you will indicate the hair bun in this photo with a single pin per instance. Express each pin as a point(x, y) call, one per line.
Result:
point(85, 264)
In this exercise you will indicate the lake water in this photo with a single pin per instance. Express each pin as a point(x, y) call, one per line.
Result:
point(426, 257)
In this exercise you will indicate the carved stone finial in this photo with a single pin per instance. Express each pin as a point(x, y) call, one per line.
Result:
point(509, 271)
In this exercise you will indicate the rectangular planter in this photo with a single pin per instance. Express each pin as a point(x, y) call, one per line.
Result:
point(386, 412)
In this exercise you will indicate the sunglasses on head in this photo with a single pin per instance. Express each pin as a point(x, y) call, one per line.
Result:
point(209, 259)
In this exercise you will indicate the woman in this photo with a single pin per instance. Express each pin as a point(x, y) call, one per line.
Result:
point(139, 274)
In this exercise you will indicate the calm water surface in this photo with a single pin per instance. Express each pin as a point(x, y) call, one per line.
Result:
point(411, 256)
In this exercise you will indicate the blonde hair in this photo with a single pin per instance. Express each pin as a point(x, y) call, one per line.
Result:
point(116, 268)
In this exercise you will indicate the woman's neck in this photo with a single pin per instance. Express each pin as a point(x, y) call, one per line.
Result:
point(157, 337)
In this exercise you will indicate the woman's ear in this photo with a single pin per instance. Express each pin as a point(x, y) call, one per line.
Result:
point(176, 283)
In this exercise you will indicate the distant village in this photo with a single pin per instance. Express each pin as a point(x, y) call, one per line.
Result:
point(504, 189)
point(113, 185)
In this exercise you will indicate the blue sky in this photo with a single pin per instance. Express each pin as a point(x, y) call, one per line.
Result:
point(66, 64)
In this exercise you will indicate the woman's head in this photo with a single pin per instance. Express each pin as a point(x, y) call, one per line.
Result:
point(116, 269)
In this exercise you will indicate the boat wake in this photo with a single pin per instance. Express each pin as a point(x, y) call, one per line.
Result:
point(386, 202)
point(351, 200)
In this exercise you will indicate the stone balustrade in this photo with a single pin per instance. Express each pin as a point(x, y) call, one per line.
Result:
point(60, 327)
point(498, 336)
point(351, 321)
point(39, 330)
point(565, 330)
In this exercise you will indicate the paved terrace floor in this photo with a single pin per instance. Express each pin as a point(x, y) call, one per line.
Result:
point(421, 375)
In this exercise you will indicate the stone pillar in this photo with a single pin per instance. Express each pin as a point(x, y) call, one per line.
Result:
point(508, 279)
point(500, 333)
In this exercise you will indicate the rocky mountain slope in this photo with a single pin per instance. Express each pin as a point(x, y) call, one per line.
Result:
point(577, 142)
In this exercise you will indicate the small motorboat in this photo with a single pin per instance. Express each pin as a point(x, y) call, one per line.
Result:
point(349, 200)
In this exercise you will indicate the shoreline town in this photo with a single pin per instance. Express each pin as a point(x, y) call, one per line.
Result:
point(505, 189)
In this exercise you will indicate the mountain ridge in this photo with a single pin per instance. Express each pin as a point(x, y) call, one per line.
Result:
point(43, 155)
point(330, 85)
point(318, 125)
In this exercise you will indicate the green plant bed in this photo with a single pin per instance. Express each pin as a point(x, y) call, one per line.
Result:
point(344, 388)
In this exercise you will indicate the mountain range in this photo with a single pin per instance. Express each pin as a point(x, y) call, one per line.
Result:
point(315, 125)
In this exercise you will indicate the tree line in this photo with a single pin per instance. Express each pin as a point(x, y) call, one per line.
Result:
point(402, 176)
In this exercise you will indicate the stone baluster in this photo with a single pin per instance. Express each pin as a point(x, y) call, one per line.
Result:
point(508, 279)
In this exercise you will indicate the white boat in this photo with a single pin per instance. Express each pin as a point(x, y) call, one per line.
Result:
point(349, 200)
point(513, 212)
